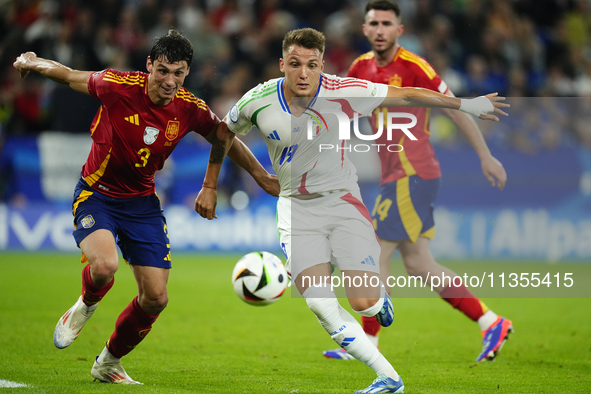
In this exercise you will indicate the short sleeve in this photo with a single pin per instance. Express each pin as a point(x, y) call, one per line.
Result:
point(366, 99)
point(205, 119)
point(238, 119)
point(429, 79)
point(108, 85)
point(94, 84)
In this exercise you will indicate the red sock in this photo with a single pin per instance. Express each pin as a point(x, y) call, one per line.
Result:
point(370, 325)
point(463, 300)
point(133, 324)
point(91, 293)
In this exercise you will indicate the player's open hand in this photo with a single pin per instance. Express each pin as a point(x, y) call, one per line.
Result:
point(494, 171)
point(23, 63)
point(497, 102)
point(206, 202)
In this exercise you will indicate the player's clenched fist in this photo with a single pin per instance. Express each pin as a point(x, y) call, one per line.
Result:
point(23, 63)
point(206, 202)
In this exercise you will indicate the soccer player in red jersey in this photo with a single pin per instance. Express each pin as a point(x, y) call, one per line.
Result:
point(141, 120)
point(403, 211)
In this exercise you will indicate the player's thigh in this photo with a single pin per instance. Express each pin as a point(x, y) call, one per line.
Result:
point(100, 249)
point(95, 227)
point(151, 282)
point(414, 250)
point(404, 209)
point(387, 249)
point(418, 260)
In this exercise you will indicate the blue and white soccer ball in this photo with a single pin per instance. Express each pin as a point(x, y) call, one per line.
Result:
point(259, 278)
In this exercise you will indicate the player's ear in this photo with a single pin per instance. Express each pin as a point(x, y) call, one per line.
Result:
point(149, 64)
point(400, 30)
point(322, 66)
point(364, 29)
point(281, 65)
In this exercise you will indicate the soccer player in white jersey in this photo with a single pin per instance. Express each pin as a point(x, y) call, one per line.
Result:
point(321, 218)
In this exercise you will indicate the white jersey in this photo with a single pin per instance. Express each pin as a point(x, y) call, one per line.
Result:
point(294, 143)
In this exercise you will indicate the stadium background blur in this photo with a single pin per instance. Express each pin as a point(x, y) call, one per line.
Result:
point(537, 53)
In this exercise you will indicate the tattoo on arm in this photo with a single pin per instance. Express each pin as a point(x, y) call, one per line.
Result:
point(218, 150)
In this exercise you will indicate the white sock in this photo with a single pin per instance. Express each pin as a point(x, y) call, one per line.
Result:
point(107, 357)
point(374, 339)
point(487, 320)
point(346, 331)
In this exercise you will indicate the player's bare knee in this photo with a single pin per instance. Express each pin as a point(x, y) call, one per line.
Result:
point(102, 269)
point(153, 303)
point(361, 304)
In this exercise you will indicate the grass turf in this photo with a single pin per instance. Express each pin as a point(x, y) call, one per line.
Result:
point(208, 341)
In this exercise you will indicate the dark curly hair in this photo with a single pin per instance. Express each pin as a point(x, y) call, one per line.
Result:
point(173, 47)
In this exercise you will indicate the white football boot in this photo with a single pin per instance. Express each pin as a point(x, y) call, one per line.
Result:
point(70, 324)
point(108, 369)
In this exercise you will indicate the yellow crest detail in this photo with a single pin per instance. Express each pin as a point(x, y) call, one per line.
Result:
point(396, 80)
point(87, 221)
point(172, 129)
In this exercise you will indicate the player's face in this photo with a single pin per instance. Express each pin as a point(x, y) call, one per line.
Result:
point(165, 79)
point(382, 29)
point(302, 68)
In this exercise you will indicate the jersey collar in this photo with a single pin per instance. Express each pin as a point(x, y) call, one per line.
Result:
point(281, 96)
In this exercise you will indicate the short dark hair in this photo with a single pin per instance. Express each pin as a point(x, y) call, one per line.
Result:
point(383, 5)
point(306, 38)
point(174, 47)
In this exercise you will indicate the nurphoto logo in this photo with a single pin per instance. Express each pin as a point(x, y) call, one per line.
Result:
point(345, 130)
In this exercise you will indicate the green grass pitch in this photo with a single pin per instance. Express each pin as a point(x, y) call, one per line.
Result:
point(208, 341)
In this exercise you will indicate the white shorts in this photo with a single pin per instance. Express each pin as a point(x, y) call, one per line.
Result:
point(335, 228)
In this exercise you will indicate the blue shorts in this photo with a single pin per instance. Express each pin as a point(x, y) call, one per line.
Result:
point(138, 224)
point(404, 209)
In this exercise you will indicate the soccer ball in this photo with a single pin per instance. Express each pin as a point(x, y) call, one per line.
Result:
point(259, 278)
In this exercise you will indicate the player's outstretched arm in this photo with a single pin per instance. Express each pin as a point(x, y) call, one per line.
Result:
point(482, 107)
point(221, 139)
point(241, 155)
point(29, 61)
point(492, 169)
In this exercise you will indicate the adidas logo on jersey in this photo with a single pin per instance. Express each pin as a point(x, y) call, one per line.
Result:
point(273, 136)
point(135, 119)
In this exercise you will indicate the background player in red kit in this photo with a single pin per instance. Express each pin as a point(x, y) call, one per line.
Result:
point(403, 211)
point(141, 120)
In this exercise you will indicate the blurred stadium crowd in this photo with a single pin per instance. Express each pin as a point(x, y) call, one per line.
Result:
point(519, 48)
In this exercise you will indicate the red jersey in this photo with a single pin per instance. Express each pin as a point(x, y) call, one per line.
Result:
point(406, 70)
point(132, 137)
